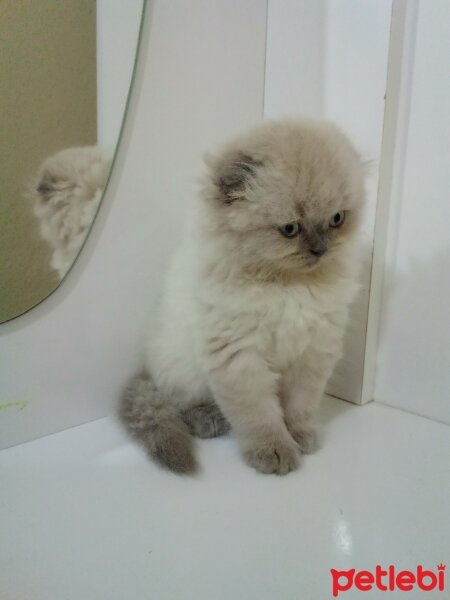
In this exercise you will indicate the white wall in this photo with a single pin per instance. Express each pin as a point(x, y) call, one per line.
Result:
point(295, 58)
point(328, 59)
point(200, 77)
point(118, 23)
point(414, 354)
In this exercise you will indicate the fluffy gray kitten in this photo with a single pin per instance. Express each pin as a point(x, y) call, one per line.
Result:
point(255, 302)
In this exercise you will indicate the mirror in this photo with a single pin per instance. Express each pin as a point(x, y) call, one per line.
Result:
point(65, 72)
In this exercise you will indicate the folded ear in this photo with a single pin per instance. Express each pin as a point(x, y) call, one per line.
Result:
point(232, 174)
point(50, 183)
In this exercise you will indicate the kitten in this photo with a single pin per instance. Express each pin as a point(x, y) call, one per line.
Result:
point(65, 197)
point(256, 300)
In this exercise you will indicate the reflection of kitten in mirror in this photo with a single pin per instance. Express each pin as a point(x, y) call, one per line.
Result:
point(65, 199)
point(256, 301)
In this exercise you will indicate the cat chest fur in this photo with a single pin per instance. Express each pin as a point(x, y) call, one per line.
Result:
point(279, 323)
point(300, 319)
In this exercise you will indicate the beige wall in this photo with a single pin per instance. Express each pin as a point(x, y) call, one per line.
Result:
point(47, 102)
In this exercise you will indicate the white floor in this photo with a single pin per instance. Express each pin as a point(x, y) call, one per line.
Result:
point(85, 516)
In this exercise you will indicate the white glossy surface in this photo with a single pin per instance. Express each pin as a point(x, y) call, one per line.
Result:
point(84, 514)
point(414, 354)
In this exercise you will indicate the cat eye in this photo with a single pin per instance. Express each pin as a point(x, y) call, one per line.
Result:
point(289, 230)
point(337, 219)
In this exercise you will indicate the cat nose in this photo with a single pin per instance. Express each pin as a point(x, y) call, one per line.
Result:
point(318, 251)
point(317, 241)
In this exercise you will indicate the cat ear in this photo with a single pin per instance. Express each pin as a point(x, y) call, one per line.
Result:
point(232, 174)
point(46, 185)
point(49, 184)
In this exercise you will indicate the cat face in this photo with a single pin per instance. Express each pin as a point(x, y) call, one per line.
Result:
point(288, 195)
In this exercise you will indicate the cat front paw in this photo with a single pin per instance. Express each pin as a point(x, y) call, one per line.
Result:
point(273, 457)
point(306, 438)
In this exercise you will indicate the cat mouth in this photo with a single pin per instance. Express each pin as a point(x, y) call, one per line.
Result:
point(304, 263)
point(313, 262)
point(312, 265)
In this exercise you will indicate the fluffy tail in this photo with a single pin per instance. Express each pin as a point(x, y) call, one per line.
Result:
point(157, 425)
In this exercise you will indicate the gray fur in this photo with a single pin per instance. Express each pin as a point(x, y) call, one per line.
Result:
point(206, 420)
point(46, 185)
point(316, 239)
point(234, 174)
point(162, 429)
point(157, 425)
